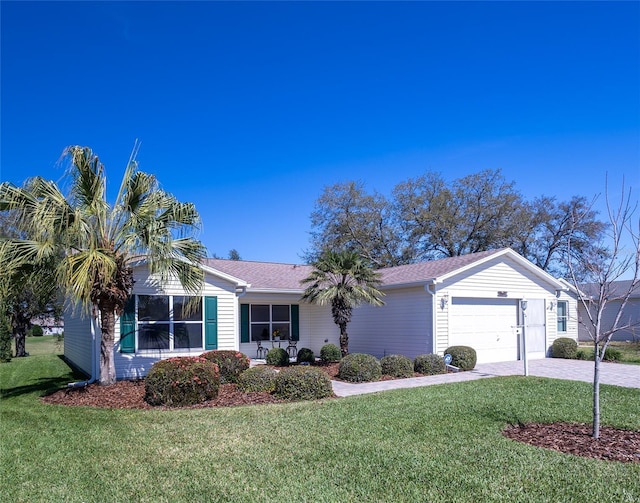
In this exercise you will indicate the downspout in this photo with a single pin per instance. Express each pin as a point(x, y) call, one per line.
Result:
point(239, 293)
point(95, 354)
point(427, 288)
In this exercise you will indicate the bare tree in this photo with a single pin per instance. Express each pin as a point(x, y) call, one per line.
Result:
point(604, 269)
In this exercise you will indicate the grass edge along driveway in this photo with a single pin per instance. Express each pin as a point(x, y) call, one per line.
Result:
point(437, 443)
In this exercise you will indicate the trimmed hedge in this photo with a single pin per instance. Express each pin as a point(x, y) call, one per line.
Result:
point(302, 383)
point(182, 381)
point(330, 353)
point(359, 367)
point(277, 357)
point(259, 378)
point(429, 365)
point(230, 363)
point(463, 357)
point(36, 331)
point(397, 366)
point(305, 355)
point(564, 347)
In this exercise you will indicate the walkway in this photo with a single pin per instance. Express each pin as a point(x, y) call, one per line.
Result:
point(574, 370)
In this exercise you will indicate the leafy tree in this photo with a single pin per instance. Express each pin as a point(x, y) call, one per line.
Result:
point(344, 280)
point(474, 214)
point(27, 290)
point(546, 224)
point(345, 217)
point(99, 241)
point(234, 255)
point(427, 218)
point(604, 269)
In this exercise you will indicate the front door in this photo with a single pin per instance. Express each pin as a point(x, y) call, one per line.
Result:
point(536, 329)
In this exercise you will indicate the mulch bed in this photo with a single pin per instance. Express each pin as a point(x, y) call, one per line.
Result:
point(570, 438)
point(575, 438)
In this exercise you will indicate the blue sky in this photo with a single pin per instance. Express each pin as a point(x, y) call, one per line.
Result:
point(250, 109)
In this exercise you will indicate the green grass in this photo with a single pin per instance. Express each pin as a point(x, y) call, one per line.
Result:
point(438, 443)
point(630, 351)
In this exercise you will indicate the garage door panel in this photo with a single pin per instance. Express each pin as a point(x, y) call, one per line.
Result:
point(487, 325)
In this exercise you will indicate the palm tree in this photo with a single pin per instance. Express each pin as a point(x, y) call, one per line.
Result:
point(99, 241)
point(344, 280)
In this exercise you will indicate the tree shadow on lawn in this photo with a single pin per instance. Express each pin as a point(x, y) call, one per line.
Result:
point(43, 385)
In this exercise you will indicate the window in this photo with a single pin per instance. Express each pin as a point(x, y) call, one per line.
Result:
point(165, 323)
point(268, 322)
point(562, 315)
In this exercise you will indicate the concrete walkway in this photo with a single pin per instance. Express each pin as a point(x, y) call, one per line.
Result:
point(616, 374)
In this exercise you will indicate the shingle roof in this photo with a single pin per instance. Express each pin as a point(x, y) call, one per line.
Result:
point(275, 276)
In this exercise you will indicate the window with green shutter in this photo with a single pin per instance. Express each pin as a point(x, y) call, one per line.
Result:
point(265, 322)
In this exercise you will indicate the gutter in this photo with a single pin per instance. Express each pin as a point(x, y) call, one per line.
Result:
point(427, 288)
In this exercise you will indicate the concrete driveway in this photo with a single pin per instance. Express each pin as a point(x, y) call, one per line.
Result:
point(616, 374)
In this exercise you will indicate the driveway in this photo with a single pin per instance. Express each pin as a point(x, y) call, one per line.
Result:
point(616, 374)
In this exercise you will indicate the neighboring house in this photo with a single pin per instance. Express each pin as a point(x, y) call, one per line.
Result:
point(630, 315)
point(50, 325)
point(474, 300)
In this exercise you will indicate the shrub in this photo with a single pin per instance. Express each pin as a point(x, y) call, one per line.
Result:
point(181, 381)
point(260, 378)
point(463, 357)
point(564, 347)
point(584, 354)
point(397, 366)
point(305, 355)
point(429, 365)
point(330, 353)
point(303, 383)
point(230, 363)
point(278, 357)
point(612, 354)
point(359, 367)
point(36, 331)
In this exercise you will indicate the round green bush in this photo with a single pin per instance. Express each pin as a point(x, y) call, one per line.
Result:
point(564, 347)
point(359, 367)
point(36, 331)
point(278, 357)
point(330, 353)
point(230, 363)
point(303, 383)
point(463, 357)
point(396, 366)
point(305, 355)
point(429, 365)
point(182, 381)
point(259, 378)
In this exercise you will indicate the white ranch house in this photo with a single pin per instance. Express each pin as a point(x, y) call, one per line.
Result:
point(475, 300)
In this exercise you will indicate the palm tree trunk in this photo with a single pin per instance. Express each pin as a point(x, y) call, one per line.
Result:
point(344, 340)
point(107, 329)
point(20, 327)
point(596, 394)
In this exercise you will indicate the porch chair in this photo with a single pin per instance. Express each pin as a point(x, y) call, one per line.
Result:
point(292, 349)
point(262, 351)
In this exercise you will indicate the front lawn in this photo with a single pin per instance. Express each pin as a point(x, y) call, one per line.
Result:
point(437, 443)
point(629, 351)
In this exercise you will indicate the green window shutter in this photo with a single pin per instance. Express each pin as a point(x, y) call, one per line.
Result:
point(295, 322)
point(244, 323)
point(128, 326)
point(211, 323)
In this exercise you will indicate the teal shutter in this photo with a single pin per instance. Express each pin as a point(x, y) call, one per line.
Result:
point(211, 323)
point(128, 326)
point(295, 322)
point(244, 323)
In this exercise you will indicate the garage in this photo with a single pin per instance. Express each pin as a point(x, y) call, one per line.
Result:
point(487, 325)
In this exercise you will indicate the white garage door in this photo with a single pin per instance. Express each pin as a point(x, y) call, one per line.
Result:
point(487, 325)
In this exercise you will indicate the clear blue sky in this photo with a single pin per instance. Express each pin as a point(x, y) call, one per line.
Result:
point(250, 109)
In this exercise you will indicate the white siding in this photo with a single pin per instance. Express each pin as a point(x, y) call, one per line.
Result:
point(511, 279)
point(134, 366)
point(401, 326)
point(316, 324)
point(79, 336)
